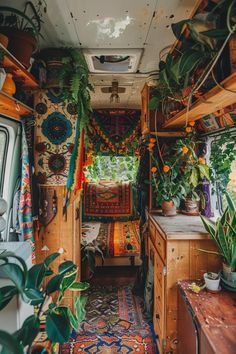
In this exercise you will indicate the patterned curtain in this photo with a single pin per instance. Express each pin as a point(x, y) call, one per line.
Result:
point(25, 207)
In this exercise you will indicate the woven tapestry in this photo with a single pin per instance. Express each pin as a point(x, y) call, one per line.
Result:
point(114, 131)
point(55, 135)
point(108, 199)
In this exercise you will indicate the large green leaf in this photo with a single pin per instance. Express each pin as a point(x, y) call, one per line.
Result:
point(209, 228)
point(36, 276)
point(58, 326)
point(230, 202)
point(9, 344)
point(77, 286)
point(7, 255)
point(204, 171)
point(15, 274)
point(73, 319)
point(194, 178)
point(48, 260)
point(222, 242)
point(33, 296)
point(80, 302)
point(6, 294)
point(189, 61)
point(29, 330)
point(177, 28)
point(54, 284)
point(219, 33)
point(65, 267)
point(68, 280)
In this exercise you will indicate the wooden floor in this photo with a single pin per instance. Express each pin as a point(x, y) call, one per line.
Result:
point(120, 276)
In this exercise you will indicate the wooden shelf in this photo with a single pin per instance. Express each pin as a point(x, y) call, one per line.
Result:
point(13, 108)
point(18, 70)
point(169, 134)
point(215, 99)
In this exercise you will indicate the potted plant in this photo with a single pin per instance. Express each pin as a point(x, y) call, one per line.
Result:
point(168, 179)
point(22, 29)
point(223, 232)
point(88, 256)
point(212, 281)
point(196, 170)
point(29, 284)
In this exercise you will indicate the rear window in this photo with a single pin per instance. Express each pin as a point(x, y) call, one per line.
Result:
point(231, 186)
point(3, 151)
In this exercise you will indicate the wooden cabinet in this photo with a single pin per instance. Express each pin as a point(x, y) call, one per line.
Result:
point(173, 247)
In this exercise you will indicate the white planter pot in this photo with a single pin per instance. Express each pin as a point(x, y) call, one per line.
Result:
point(212, 284)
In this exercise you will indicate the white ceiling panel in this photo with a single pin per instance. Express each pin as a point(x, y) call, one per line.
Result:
point(114, 24)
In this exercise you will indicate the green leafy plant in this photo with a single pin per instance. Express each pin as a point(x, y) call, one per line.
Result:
point(29, 285)
point(74, 80)
point(168, 177)
point(224, 234)
point(186, 69)
point(223, 152)
point(89, 252)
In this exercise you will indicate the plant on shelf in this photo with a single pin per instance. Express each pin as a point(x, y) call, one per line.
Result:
point(168, 178)
point(22, 28)
point(196, 170)
point(187, 70)
point(29, 284)
point(223, 233)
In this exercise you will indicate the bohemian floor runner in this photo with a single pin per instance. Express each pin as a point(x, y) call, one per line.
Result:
point(114, 324)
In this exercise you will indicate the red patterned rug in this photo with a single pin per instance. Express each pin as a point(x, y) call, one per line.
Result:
point(114, 324)
point(108, 199)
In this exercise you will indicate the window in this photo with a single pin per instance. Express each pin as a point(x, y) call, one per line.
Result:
point(231, 186)
point(113, 168)
point(3, 150)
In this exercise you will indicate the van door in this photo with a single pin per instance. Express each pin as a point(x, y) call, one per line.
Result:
point(10, 162)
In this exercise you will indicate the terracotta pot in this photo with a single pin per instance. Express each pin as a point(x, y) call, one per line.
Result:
point(4, 40)
point(168, 208)
point(9, 85)
point(191, 206)
point(21, 44)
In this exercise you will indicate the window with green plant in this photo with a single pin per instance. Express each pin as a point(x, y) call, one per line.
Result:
point(113, 168)
point(223, 163)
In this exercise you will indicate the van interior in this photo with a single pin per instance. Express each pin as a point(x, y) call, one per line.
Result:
point(118, 176)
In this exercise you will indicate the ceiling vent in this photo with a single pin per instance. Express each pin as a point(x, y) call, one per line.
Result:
point(114, 61)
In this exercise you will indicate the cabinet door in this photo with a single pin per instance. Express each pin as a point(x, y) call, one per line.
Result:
point(159, 298)
point(77, 217)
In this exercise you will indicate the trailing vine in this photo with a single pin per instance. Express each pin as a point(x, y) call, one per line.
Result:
point(223, 153)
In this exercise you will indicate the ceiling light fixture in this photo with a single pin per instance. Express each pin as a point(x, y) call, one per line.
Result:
point(114, 98)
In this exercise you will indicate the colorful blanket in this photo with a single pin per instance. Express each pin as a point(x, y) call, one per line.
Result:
point(114, 324)
point(108, 199)
point(115, 239)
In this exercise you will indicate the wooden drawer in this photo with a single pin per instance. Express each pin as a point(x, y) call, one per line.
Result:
point(159, 271)
point(160, 245)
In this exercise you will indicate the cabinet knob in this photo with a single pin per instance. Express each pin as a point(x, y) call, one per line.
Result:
point(157, 316)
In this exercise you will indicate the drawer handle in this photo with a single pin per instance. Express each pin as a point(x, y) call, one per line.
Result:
point(158, 243)
point(157, 316)
point(159, 298)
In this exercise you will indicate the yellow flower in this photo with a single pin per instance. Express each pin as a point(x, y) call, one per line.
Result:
point(185, 149)
point(154, 169)
point(152, 140)
point(166, 168)
point(192, 123)
point(188, 130)
point(201, 160)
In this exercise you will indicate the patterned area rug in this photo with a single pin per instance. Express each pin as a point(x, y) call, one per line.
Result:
point(114, 324)
point(108, 199)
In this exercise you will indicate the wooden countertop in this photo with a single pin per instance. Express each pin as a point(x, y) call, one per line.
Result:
point(215, 315)
point(179, 227)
